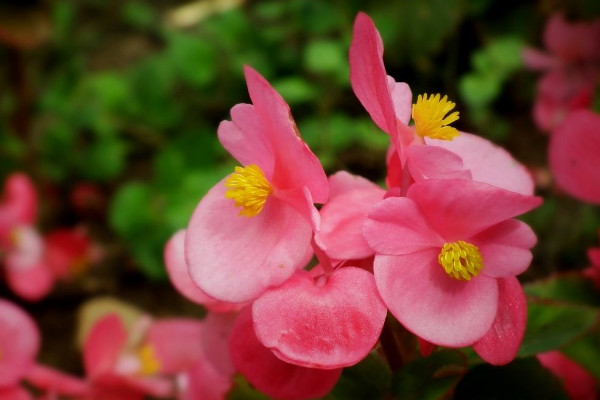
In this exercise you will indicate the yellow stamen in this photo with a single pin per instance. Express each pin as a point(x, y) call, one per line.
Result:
point(461, 260)
point(430, 117)
point(149, 365)
point(249, 188)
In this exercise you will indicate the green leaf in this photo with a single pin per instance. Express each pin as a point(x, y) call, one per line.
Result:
point(326, 57)
point(295, 89)
point(551, 324)
point(369, 380)
point(130, 212)
point(567, 287)
point(104, 160)
point(431, 377)
point(523, 379)
point(586, 352)
point(193, 58)
point(478, 90)
point(138, 14)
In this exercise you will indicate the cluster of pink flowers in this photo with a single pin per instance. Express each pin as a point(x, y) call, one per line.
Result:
point(439, 249)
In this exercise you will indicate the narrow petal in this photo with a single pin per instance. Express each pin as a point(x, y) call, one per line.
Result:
point(19, 343)
point(57, 382)
point(176, 342)
point(295, 165)
point(396, 226)
point(269, 374)
point(489, 163)
point(578, 383)
point(432, 305)
point(103, 345)
point(19, 203)
point(501, 343)
point(235, 259)
point(14, 393)
point(215, 341)
point(402, 99)
point(535, 59)
point(321, 324)
point(573, 153)
point(459, 209)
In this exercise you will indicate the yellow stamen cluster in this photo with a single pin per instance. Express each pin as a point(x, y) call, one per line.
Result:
point(149, 365)
point(430, 117)
point(249, 188)
point(461, 260)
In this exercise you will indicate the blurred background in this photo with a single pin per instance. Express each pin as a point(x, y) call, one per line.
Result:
point(112, 108)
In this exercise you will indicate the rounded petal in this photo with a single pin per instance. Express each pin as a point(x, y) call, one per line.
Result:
point(177, 343)
point(30, 282)
point(234, 258)
point(578, 383)
point(459, 209)
point(505, 248)
point(573, 154)
point(501, 343)
point(103, 345)
point(204, 382)
point(322, 324)
point(402, 99)
point(432, 305)
point(431, 162)
point(396, 226)
point(342, 182)
point(489, 163)
point(179, 275)
point(269, 374)
point(19, 202)
point(19, 343)
point(295, 165)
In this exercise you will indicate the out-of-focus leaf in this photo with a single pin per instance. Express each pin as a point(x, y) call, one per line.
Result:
point(478, 90)
point(368, 380)
point(138, 14)
point(567, 287)
point(431, 377)
point(130, 212)
point(62, 18)
point(552, 324)
point(326, 57)
point(104, 160)
point(522, 379)
point(295, 90)
point(194, 58)
point(110, 90)
point(586, 352)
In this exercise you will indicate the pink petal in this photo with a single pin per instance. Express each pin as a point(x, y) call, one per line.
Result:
point(30, 282)
point(19, 203)
point(51, 380)
point(215, 341)
point(19, 343)
point(402, 99)
point(578, 382)
point(505, 248)
point(321, 324)
point(501, 343)
point(396, 226)
point(432, 305)
point(177, 343)
point(342, 219)
point(489, 163)
point(535, 59)
point(66, 248)
point(234, 258)
point(342, 182)
point(573, 154)
point(269, 374)
point(246, 139)
point(459, 209)
point(295, 166)
point(431, 162)
point(425, 347)
point(103, 345)
point(572, 42)
point(14, 393)
point(180, 277)
point(206, 383)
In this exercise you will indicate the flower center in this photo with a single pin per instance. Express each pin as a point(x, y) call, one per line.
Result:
point(249, 188)
point(461, 260)
point(149, 365)
point(430, 117)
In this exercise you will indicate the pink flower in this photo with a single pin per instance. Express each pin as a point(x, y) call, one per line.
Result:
point(446, 260)
point(252, 230)
point(69, 252)
point(578, 383)
point(572, 69)
point(573, 154)
point(593, 271)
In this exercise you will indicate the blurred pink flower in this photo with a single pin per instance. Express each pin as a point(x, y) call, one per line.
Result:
point(593, 271)
point(571, 66)
point(578, 383)
point(446, 260)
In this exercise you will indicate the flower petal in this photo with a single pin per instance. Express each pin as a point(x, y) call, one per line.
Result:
point(103, 345)
point(177, 343)
point(578, 383)
point(19, 202)
point(431, 162)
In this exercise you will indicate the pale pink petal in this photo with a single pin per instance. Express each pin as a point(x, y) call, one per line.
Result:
point(342, 220)
point(573, 154)
point(179, 275)
point(501, 343)
point(14, 393)
point(30, 282)
point(578, 383)
point(19, 343)
point(342, 182)
point(459, 209)
point(488, 163)
point(246, 139)
point(103, 345)
point(295, 166)
point(429, 303)
point(402, 99)
point(177, 343)
point(368, 76)
point(324, 324)
point(206, 383)
point(19, 203)
point(215, 341)
point(396, 226)
point(234, 258)
point(269, 374)
point(431, 162)
point(505, 248)
point(51, 380)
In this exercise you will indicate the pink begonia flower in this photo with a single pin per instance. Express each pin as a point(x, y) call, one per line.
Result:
point(179, 275)
point(572, 69)
point(446, 259)
point(269, 374)
point(593, 271)
point(69, 252)
point(433, 149)
point(236, 255)
point(578, 383)
point(574, 155)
